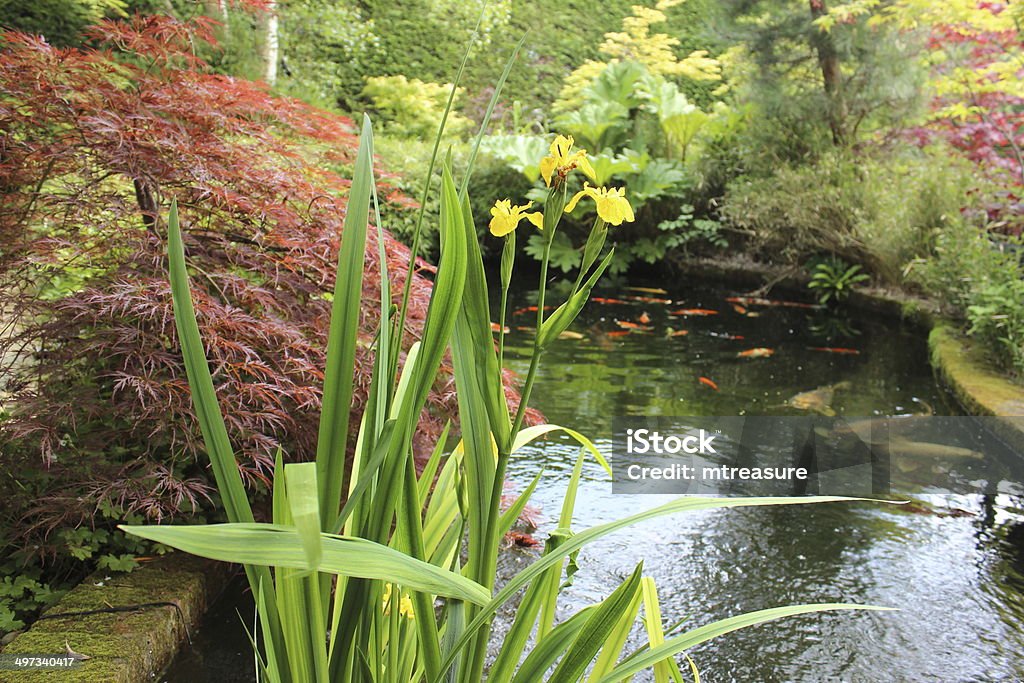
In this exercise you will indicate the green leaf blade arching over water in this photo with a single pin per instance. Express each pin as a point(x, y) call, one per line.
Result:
point(282, 546)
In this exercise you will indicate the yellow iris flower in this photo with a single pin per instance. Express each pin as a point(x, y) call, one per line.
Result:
point(612, 205)
point(562, 160)
point(405, 608)
point(505, 218)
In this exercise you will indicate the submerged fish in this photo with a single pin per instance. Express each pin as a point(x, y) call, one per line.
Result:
point(759, 352)
point(569, 334)
point(834, 349)
point(625, 324)
point(905, 448)
point(644, 318)
point(604, 300)
point(495, 327)
point(529, 309)
point(817, 400)
point(647, 290)
point(758, 301)
point(739, 309)
point(694, 311)
point(707, 382)
point(676, 333)
point(649, 300)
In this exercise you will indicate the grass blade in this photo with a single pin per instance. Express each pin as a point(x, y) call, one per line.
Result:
point(577, 541)
point(536, 664)
point(211, 420)
point(667, 668)
point(341, 341)
point(301, 485)
point(281, 546)
point(204, 397)
point(697, 636)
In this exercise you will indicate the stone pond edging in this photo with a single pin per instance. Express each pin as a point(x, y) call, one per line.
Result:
point(123, 646)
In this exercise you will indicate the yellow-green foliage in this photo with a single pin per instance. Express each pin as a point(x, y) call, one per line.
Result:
point(635, 42)
point(410, 107)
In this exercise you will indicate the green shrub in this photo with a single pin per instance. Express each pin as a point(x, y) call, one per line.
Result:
point(981, 281)
point(798, 211)
point(996, 314)
point(411, 108)
point(60, 21)
point(326, 47)
point(882, 209)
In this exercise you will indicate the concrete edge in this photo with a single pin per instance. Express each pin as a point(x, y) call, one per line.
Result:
point(124, 646)
point(966, 371)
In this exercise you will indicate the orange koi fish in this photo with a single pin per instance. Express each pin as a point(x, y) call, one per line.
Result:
point(625, 324)
point(708, 383)
point(677, 333)
point(739, 309)
point(617, 333)
point(834, 349)
point(694, 311)
point(644, 318)
point(602, 300)
point(759, 352)
point(495, 327)
point(529, 309)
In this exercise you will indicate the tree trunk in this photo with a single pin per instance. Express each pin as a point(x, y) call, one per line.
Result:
point(271, 47)
point(828, 61)
point(146, 200)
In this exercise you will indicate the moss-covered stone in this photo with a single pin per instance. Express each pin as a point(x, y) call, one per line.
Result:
point(123, 646)
point(963, 367)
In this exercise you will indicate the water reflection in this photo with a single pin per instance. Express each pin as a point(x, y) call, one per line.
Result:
point(954, 570)
point(953, 565)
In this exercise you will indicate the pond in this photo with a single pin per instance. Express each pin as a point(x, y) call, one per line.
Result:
point(955, 571)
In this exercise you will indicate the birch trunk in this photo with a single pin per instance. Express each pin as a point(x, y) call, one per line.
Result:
point(271, 47)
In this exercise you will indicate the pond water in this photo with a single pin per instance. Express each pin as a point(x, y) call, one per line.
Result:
point(954, 571)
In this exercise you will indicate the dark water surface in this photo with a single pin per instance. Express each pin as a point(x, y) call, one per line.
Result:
point(955, 572)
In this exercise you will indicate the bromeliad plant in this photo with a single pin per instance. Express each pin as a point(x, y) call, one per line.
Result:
point(373, 571)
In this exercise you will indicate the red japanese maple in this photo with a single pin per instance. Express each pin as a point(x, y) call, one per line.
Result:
point(93, 144)
point(992, 134)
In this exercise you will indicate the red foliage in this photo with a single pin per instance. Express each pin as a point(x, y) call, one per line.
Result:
point(993, 136)
point(93, 143)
